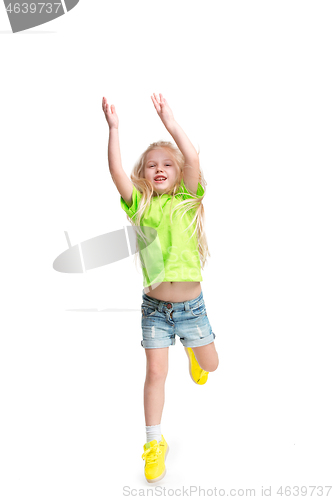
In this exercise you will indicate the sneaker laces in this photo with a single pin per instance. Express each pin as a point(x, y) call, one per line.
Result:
point(151, 454)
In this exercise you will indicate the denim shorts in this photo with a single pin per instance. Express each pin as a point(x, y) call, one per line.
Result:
point(162, 321)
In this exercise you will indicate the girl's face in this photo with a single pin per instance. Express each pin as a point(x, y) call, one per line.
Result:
point(160, 163)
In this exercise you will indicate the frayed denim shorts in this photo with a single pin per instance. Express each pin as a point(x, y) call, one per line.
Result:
point(162, 321)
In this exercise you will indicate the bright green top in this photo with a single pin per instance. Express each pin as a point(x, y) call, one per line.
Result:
point(173, 255)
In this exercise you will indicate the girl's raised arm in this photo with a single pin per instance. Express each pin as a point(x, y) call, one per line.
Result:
point(119, 177)
point(192, 164)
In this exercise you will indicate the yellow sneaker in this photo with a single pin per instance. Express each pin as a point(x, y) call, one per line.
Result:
point(198, 375)
point(155, 454)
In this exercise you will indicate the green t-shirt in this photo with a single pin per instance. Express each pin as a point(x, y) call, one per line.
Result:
point(173, 255)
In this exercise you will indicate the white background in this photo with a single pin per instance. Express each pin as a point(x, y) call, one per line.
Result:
point(251, 84)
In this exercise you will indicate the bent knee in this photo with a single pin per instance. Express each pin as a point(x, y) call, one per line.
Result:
point(211, 366)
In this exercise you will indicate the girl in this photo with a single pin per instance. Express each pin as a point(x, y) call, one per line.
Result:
point(164, 177)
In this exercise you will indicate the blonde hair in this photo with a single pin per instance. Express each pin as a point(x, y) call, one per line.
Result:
point(194, 202)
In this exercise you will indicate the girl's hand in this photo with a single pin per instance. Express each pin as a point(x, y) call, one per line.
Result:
point(163, 109)
point(110, 114)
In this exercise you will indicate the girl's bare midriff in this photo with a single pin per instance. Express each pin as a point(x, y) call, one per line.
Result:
point(175, 291)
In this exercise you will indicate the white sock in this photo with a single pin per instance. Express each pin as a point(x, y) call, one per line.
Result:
point(153, 432)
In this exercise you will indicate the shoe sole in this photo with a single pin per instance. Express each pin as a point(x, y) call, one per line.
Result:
point(189, 359)
point(163, 473)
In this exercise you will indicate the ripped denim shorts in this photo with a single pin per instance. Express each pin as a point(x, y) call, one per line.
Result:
point(162, 321)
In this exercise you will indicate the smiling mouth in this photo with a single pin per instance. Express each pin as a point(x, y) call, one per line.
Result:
point(160, 180)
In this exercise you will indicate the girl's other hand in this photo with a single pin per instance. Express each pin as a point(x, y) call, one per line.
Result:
point(163, 109)
point(110, 114)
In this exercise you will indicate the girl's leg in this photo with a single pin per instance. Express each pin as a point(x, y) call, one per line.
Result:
point(207, 357)
point(157, 370)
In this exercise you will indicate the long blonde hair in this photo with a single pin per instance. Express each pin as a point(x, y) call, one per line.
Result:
point(193, 202)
